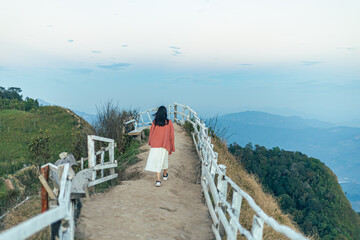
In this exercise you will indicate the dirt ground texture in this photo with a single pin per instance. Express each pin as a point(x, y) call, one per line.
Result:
point(137, 209)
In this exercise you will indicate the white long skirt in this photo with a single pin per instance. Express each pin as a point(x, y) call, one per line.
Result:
point(157, 160)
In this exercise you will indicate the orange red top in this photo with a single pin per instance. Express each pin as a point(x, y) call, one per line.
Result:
point(162, 136)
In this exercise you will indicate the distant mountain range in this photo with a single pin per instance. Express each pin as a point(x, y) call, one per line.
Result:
point(90, 118)
point(338, 147)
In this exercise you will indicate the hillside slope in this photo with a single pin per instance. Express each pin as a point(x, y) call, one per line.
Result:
point(18, 128)
point(305, 188)
point(253, 187)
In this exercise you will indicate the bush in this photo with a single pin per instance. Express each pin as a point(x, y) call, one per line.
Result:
point(39, 148)
point(188, 126)
point(110, 123)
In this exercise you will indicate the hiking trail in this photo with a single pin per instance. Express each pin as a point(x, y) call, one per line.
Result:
point(137, 209)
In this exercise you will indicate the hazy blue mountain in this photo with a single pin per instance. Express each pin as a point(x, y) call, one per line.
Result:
point(338, 147)
point(43, 102)
point(90, 118)
point(271, 120)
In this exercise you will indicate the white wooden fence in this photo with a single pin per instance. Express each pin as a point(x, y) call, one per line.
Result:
point(68, 186)
point(225, 215)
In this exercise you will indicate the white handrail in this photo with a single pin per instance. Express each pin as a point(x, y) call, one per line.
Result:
point(221, 223)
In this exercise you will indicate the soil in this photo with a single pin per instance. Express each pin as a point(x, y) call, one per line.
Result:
point(137, 209)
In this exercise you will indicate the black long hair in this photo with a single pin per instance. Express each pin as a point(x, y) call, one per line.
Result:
point(161, 117)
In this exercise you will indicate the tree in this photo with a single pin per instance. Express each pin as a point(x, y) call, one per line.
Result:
point(11, 93)
point(30, 104)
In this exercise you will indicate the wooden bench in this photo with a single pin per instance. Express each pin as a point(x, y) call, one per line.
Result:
point(138, 132)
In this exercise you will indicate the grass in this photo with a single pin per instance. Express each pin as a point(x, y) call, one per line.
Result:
point(29, 209)
point(17, 128)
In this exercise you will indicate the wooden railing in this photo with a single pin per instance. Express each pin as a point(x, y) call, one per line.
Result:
point(224, 213)
point(68, 187)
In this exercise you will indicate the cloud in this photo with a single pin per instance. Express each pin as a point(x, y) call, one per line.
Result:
point(309, 63)
point(124, 45)
point(50, 26)
point(78, 70)
point(114, 66)
point(245, 64)
point(175, 51)
point(96, 51)
point(346, 48)
point(70, 40)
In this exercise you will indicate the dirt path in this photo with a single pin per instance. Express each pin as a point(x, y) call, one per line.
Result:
point(139, 210)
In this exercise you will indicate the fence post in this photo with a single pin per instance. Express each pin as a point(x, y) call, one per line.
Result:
point(236, 206)
point(44, 194)
point(257, 228)
point(82, 163)
point(102, 161)
point(213, 165)
point(169, 112)
point(182, 115)
point(111, 156)
point(175, 112)
point(91, 156)
point(222, 187)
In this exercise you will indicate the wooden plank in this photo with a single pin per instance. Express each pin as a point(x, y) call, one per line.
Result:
point(209, 204)
point(216, 232)
point(102, 139)
point(175, 112)
point(35, 224)
point(82, 163)
point(101, 180)
point(222, 187)
point(44, 193)
point(236, 206)
point(257, 228)
point(91, 155)
point(63, 182)
point(149, 116)
point(105, 166)
point(224, 222)
point(46, 186)
point(213, 189)
point(112, 157)
point(102, 162)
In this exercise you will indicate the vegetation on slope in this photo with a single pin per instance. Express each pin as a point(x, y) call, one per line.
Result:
point(18, 128)
point(24, 129)
point(251, 185)
point(305, 188)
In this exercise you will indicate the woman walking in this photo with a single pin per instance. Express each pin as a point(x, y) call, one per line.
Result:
point(161, 140)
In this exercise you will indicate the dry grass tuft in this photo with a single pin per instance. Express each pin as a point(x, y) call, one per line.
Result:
point(250, 184)
point(29, 209)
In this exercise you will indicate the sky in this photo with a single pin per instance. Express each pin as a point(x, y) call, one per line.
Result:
point(288, 57)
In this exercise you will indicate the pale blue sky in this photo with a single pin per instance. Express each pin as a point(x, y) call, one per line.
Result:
point(216, 56)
